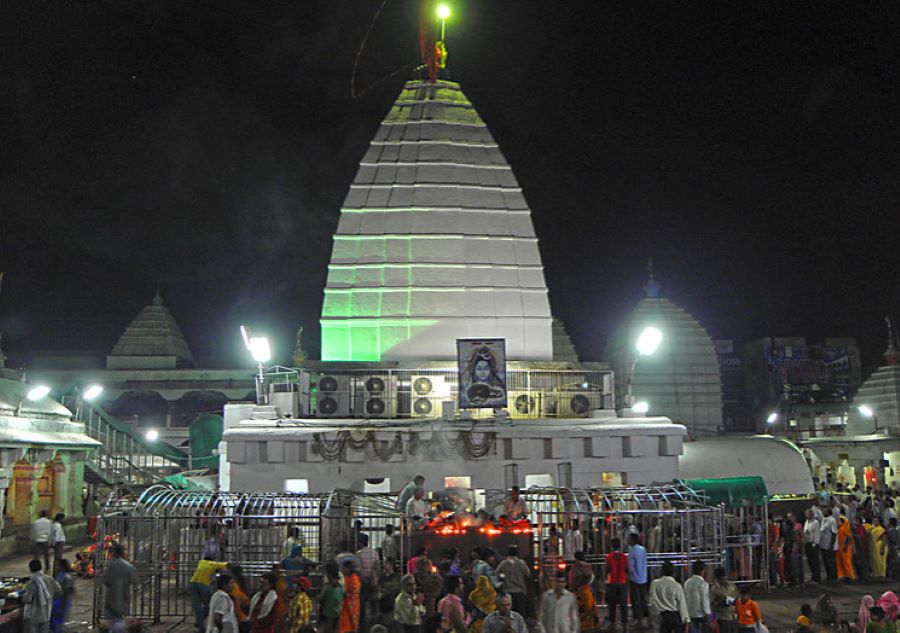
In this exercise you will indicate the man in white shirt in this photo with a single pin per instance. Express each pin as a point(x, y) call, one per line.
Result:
point(559, 610)
point(828, 546)
point(504, 619)
point(408, 491)
point(57, 540)
point(417, 508)
point(811, 544)
point(696, 594)
point(40, 538)
point(667, 599)
point(514, 506)
point(222, 618)
point(573, 541)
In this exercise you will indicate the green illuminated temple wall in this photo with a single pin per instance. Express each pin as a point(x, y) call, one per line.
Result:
point(435, 242)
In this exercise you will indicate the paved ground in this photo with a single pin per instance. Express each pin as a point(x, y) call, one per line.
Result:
point(779, 608)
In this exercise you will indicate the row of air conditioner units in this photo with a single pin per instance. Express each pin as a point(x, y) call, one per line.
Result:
point(383, 396)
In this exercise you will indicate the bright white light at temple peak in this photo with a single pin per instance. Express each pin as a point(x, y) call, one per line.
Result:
point(443, 12)
point(92, 392)
point(641, 407)
point(649, 340)
point(36, 393)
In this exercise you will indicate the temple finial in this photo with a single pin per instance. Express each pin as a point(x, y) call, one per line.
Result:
point(157, 298)
point(652, 288)
point(892, 353)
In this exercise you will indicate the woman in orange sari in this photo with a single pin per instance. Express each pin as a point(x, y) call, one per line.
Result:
point(349, 622)
point(239, 595)
point(844, 553)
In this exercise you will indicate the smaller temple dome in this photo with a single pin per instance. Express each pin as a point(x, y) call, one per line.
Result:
point(880, 392)
point(681, 379)
point(153, 340)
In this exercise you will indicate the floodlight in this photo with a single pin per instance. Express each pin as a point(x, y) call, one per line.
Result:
point(649, 340)
point(92, 392)
point(260, 350)
point(641, 407)
point(866, 411)
point(443, 12)
point(152, 435)
point(772, 419)
point(36, 393)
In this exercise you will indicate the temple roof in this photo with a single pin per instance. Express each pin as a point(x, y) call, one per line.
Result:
point(681, 379)
point(152, 334)
point(12, 393)
point(435, 242)
point(881, 393)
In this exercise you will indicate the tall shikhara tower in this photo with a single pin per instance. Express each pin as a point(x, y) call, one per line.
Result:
point(435, 242)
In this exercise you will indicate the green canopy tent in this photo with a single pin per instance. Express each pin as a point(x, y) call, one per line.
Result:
point(732, 492)
point(205, 434)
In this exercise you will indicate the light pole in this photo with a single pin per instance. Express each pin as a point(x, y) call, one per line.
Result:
point(35, 393)
point(259, 349)
point(443, 12)
point(647, 344)
point(868, 412)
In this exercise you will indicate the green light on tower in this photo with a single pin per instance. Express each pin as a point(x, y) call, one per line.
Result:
point(443, 12)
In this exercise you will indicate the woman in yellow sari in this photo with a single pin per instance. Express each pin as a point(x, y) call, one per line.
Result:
point(878, 549)
point(484, 598)
point(844, 553)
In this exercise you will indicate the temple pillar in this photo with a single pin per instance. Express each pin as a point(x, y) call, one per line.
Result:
point(24, 492)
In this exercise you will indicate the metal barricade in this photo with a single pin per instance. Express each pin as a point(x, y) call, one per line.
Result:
point(165, 532)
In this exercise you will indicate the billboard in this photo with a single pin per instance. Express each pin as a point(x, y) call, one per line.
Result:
point(481, 364)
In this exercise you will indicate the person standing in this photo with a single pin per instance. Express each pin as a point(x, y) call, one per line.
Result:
point(828, 545)
point(57, 539)
point(451, 607)
point(368, 576)
point(811, 545)
point(516, 575)
point(330, 599)
point(667, 598)
point(696, 594)
point(38, 599)
point(41, 531)
point(350, 608)
point(62, 604)
point(559, 613)
point(417, 508)
point(844, 554)
point(774, 544)
point(722, 595)
point(408, 491)
point(505, 619)
point(617, 584)
point(878, 548)
point(637, 579)
point(222, 618)
point(200, 590)
point(573, 540)
point(300, 609)
point(390, 546)
point(747, 611)
point(514, 507)
point(264, 605)
point(91, 511)
point(119, 575)
point(409, 607)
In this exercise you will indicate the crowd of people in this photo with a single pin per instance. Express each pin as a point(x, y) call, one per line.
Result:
point(846, 536)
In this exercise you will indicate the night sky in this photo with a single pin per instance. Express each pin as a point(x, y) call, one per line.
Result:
point(751, 149)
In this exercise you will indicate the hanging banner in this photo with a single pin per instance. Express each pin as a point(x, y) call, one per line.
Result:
point(482, 372)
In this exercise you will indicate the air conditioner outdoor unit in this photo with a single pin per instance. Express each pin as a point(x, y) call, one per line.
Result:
point(578, 403)
point(375, 397)
point(425, 401)
point(333, 396)
point(524, 405)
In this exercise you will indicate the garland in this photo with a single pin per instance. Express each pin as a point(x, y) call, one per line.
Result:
point(439, 447)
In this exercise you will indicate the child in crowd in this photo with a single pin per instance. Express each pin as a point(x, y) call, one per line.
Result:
point(301, 605)
point(804, 619)
point(747, 612)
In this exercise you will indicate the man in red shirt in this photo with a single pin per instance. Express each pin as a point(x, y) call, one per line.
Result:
point(617, 584)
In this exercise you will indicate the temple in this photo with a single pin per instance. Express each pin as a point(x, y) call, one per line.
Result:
point(435, 242)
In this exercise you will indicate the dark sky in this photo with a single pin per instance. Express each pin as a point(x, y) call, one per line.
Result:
point(751, 149)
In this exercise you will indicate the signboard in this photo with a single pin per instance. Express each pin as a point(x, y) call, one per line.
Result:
point(482, 372)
